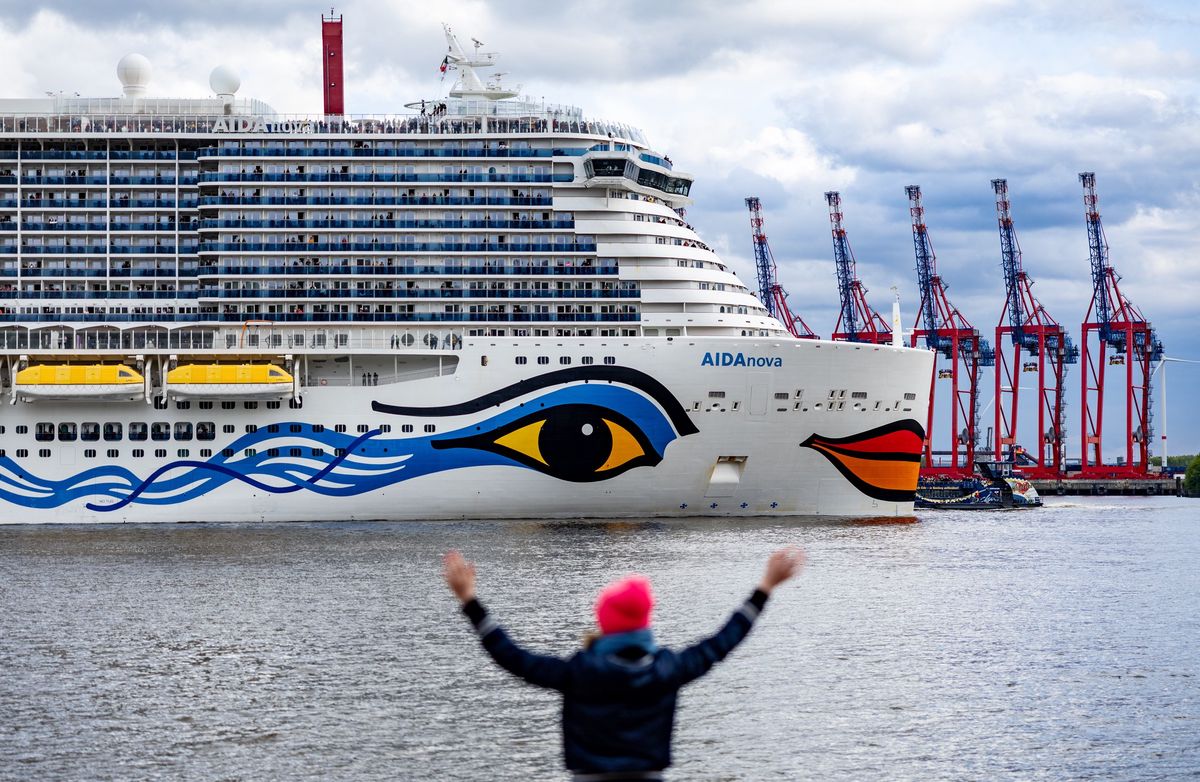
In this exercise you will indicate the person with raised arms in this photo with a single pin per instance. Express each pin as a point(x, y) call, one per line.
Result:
point(619, 692)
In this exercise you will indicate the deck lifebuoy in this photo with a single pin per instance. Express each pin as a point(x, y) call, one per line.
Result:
point(324, 382)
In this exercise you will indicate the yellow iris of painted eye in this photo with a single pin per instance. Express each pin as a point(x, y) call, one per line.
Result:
point(624, 447)
point(526, 441)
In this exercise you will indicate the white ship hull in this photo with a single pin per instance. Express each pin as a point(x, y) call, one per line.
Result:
point(698, 426)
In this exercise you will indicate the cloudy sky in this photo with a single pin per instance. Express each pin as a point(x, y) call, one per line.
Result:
point(784, 100)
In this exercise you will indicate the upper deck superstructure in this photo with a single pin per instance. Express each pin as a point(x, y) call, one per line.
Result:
point(477, 215)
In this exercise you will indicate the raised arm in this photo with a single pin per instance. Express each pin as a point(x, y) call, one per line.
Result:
point(697, 660)
point(542, 670)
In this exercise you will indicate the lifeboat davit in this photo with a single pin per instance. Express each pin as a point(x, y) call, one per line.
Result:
point(229, 381)
point(80, 382)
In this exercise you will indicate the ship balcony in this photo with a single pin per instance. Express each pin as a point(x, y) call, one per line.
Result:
point(51, 203)
point(96, 227)
point(394, 201)
point(398, 247)
point(400, 152)
point(311, 317)
point(249, 178)
point(533, 225)
point(57, 180)
point(585, 267)
point(404, 293)
point(58, 295)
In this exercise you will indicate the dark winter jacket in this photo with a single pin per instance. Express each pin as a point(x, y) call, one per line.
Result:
point(618, 705)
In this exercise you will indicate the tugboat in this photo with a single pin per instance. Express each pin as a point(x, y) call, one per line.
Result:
point(996, 485)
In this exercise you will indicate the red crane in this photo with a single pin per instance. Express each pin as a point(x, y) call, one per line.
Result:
point(857, 322)
point(1114, 322)
point(1029, 327)
point(772, 294)
point(951, 336)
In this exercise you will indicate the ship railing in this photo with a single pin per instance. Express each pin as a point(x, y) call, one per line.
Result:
point(254, 337)
point(535, 121)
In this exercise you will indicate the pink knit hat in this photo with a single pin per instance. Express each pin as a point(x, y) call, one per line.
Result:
point(624, 605)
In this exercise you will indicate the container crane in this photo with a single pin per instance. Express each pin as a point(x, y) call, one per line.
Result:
point(951, 336)
point(770, 292)
point(1029, 327)
point(857, 322)
point(1115, 323)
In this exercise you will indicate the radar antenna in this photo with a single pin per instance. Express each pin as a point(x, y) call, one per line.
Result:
point(468, 84)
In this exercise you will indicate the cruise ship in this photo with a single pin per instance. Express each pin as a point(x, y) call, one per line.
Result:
point(483, 306)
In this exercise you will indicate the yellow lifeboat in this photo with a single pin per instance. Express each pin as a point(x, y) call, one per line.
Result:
point(226, 381)
point(80, 382)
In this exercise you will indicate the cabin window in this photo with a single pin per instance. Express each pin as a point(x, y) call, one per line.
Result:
point(89, 453)
point(206, 430)
point(430, 428)
point(160, 431)
point(66, 432)
point(363, 428)
point(22, 453)
point(273, 428)
point(44, 453)
point(610, 360)
point(138, 453)
point(43, 432)
point(160, 453)
point(206, 405)
point(586, 360)
point(339, 428)
point(317, 452)
point(205, 453)
point(406, 428)
point(228, 428)
point(295, 428)
point(113, 453)
point(251, 428)
point(89, 431)
point(227, 452)
point(137, 431)
point(112, 431)
point(22, 429)
point(272, 405)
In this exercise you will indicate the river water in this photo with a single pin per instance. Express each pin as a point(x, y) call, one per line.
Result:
point(1053, 644)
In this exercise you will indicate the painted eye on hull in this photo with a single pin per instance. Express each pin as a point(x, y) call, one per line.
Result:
point(572, 442)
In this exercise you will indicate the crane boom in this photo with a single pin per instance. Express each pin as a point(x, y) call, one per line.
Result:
point(857, 322)
point(770, 292)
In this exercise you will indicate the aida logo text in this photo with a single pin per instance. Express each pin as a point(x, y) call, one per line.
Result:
point(739, 360)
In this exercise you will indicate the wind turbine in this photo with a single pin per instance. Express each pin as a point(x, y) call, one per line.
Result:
point(1162, 364)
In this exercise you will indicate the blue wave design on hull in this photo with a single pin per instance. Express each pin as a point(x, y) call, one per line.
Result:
point(345, 465)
